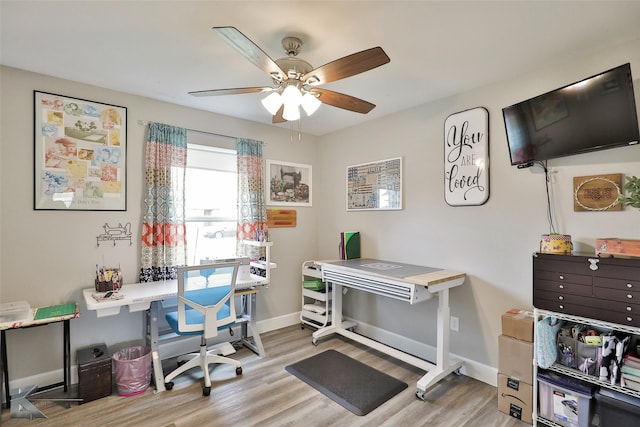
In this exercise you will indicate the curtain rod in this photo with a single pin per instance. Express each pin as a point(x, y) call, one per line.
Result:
point(144, 123)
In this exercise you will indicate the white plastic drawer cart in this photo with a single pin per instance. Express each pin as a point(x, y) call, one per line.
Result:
point(316, 302)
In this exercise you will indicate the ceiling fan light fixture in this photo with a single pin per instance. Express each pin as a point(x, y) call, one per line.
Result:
point(272, 103)
point(290, 112)
point(310, 103)
point(291, 96)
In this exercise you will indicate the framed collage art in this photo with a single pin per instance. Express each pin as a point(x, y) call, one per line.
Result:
point(80, 154)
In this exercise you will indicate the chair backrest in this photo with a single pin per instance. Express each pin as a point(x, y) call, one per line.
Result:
point(208, 291)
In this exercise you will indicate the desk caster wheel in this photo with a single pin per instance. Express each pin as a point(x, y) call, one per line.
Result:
point(168, 385)
point(420, 395)
point(239, 370)
point(314, 341)
point(206, 391)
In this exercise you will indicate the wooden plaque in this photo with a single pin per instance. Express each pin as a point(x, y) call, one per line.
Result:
point(281, 218)
point(597, 192)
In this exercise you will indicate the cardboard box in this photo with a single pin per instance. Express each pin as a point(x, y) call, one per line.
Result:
point(515, 358)
point(518, 324)
point(515, 398)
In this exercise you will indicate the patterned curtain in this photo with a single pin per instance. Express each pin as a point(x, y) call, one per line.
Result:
point(164, 243)
point(252, 213)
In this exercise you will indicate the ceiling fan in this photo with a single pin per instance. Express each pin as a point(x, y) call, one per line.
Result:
point(295, 81)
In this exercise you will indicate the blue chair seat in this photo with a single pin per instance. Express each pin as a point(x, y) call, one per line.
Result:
point(206, 296)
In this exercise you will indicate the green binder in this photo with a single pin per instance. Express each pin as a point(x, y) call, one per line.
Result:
point(350, 244)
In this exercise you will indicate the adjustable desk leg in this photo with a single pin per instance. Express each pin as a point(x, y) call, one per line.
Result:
point(152, 335)
point(5, 370)
point(443, 366)
point(256, 346)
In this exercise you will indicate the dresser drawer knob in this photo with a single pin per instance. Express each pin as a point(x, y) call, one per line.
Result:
point(629, 308)
point(561, 298)
point(561, 277)
point(629, 296)
point(629, 319)
point(561, 286)
point(629, 285)
point(561, 307)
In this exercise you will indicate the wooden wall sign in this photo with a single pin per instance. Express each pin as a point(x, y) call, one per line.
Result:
point(281, 218)
point(597, 193)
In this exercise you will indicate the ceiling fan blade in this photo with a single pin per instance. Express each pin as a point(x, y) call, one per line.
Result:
point(343, 101)
point(234, 91)
point(347, 66)
point(277, 117)
point(251, 51)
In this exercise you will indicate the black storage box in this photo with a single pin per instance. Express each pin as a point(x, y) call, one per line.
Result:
point(94, 373)
point(617, 409)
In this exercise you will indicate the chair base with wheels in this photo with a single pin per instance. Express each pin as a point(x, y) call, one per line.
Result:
point(202, 359)
point(205, 306)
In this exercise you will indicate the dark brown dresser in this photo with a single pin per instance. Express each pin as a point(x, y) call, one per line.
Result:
point(607, 289)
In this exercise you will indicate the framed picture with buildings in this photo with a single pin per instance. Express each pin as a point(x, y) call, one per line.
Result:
point(288, 184)
point(375, 185)
point(80, 154)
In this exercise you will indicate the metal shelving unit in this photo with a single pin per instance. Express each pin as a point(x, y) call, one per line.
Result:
point(538, 313)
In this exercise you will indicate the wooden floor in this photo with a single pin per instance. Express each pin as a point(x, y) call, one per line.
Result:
point(267, 395)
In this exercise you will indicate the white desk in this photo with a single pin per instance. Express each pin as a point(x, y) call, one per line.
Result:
point(404, 282)
point(148, 297)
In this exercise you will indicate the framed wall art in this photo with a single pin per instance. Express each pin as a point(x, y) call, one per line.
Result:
point(288, 184)
point(80, 154)
point(375, 185)
point(466, 158)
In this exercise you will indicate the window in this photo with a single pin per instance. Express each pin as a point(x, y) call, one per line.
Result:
point(210, 202)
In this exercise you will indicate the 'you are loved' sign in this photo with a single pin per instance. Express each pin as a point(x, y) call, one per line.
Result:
point(466, 157)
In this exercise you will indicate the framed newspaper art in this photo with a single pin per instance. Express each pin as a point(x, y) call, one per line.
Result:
point(80, 154)
point(375, 185)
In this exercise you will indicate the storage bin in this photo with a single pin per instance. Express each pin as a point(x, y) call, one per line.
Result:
point(313, 284)
point(14, 312)
point(617, 409)
point(133, 370)
point(567, 351)
point(564, 400)
point(94, 373)
point(587, 358)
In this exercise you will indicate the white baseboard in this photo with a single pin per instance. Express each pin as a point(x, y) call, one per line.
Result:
point(471, 368)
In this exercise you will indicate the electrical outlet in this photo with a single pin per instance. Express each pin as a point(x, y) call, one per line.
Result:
point(454, 323)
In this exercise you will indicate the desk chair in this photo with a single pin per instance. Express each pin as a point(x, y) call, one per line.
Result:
point(205, 306)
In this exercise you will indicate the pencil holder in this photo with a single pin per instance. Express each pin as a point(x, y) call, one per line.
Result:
point(108, 279)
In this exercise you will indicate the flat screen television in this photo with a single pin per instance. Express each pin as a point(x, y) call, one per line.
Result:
point(596, 113)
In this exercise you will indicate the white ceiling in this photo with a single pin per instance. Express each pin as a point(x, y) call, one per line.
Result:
point(164, 49)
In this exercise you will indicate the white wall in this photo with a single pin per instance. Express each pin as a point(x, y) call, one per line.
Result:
point(492, 243)
point(47, 256)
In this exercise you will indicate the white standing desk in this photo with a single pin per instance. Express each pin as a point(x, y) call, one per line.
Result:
point(409, 283)
point(148, 297)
